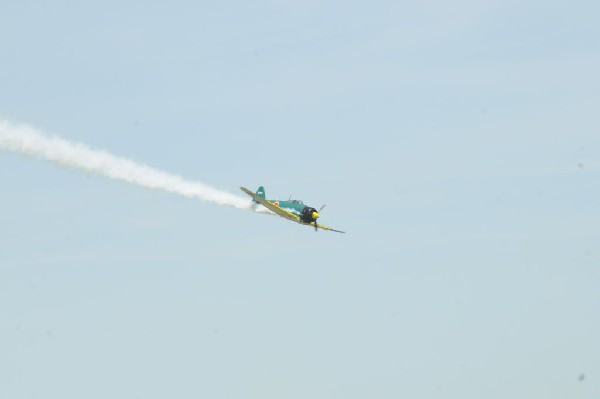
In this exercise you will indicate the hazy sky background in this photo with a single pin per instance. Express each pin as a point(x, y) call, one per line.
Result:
point(457, 143)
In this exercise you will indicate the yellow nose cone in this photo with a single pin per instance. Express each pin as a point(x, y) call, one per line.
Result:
point(315, 215)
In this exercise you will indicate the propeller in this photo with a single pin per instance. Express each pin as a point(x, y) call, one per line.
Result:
point(309, 216)
point(319, 211)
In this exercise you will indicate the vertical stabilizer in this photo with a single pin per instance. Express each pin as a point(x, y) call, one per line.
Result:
point(261, 193)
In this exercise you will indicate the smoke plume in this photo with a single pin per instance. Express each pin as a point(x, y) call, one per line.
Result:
point(26, 140)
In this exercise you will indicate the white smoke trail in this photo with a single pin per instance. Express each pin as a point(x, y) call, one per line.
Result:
point(29, 141)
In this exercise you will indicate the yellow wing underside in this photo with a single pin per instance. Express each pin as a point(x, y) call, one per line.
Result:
point(282, 212)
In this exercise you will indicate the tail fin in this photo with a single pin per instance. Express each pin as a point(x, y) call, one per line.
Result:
point(261, 193)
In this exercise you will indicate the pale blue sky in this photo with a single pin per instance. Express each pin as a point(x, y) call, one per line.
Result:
point(456, 142)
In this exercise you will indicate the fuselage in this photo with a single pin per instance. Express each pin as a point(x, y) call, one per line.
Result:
point(297, 207)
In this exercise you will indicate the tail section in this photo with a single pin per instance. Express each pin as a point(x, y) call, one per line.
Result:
point(261, 193)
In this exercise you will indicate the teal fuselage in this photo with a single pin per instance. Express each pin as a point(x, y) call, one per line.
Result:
point(296, 207)
point(293, 206)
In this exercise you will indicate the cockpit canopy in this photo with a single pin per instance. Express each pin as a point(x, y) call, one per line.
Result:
point(296, 202)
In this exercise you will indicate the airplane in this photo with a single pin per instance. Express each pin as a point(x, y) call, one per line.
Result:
point(293, 210)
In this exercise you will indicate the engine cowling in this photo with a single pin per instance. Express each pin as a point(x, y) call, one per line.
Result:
point(309, 215)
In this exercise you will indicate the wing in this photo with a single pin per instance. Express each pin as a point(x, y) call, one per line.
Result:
point(272, 207)
point(328, 228)
point(320, 226)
